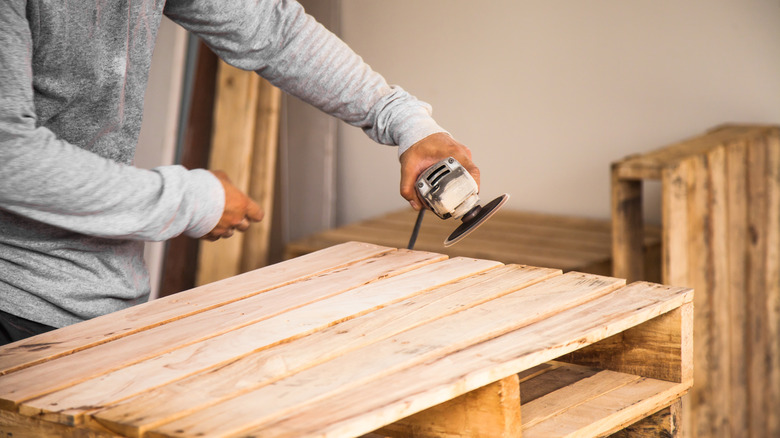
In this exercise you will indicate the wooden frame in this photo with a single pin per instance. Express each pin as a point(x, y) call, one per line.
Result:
point(721, 235)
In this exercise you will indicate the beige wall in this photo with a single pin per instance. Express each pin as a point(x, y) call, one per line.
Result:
point(548, 93)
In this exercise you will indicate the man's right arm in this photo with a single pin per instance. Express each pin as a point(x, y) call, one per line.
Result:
point(47, 179)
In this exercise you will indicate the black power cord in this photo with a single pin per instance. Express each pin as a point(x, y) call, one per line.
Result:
point(416, 229)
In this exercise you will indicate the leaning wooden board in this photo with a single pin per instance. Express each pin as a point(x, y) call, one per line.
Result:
point(359, 338)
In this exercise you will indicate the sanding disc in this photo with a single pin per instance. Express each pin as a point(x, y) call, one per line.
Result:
point(473, 223)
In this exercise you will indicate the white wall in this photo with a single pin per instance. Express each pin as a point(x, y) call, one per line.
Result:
point(548, 93)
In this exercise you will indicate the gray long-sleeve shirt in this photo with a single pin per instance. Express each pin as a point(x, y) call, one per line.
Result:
point(74, 212)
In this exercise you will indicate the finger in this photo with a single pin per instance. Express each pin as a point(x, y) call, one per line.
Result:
point(409, 193)
point(243, 225)
point(254, 212)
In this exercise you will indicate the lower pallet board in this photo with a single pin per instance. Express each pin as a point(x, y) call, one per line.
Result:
point(559, 399)
point(595, 403)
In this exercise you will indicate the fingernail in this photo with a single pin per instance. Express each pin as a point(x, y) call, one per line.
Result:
point(414, 205)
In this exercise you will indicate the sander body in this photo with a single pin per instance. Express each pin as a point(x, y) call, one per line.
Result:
point(449, 191)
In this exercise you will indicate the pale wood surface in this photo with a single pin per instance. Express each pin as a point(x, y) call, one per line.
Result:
point(244, 145)
point(144, 316)
point(721, 236)
point(344, 341)
point(232, 147)
point(255, 249)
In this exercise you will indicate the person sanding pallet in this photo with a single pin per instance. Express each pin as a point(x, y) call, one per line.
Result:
point(74, 211)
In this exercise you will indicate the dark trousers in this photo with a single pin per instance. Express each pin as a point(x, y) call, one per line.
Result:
point(13, 328)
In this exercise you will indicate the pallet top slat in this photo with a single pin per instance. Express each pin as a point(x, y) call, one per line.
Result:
point(211, 355)
point(68, 370)
point(106, 328)
point(649, 165)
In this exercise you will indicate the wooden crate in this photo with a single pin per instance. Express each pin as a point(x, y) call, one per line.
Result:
point(721, 236)
point(359, 338)
point(510, 236)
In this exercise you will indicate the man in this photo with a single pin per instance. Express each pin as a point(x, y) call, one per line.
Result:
point(74, 212)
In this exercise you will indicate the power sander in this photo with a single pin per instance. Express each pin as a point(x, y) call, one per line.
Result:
point(449, 191)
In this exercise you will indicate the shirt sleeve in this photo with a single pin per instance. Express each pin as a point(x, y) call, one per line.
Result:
point(279, 41)
point(47, 179)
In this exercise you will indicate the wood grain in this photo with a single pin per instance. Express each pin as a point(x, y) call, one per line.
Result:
point(490, 411)
point(356, 412)
point(232, 147)
point(721, 236)
point(71, 339)
point(211, 355)
point(256, 240)
point(43, 378)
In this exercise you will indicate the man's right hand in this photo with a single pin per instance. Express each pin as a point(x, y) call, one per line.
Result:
point(239, 212)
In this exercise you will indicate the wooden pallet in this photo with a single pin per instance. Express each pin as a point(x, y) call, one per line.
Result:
point(510, 236)
point(721, 236)
point(360, 338)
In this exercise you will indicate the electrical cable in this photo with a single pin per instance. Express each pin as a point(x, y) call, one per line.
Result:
point(416, 229)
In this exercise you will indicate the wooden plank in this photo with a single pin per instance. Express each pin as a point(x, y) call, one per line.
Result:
point(417, 345)
point(567, 243)
point(164, 404)
point(553, 379)
point(534, 372)
point(773, 278)
point(717, 282)
point(650, 165)
point(354, 412)
point(676, 183)
point(499, 248)
point(13, 425)
point(666, 423)
point(490, 411)
point(235, 113)
point(68, 370)
point(506, 255)
point(627, 228)
point(610, 412)
point(700, 270)
point(558, 401)
point(110, 327)
point(256, 240)
point(69, 404)
point(586, 243)
point(736, 163)
point(755, 292)
point(661, 348)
